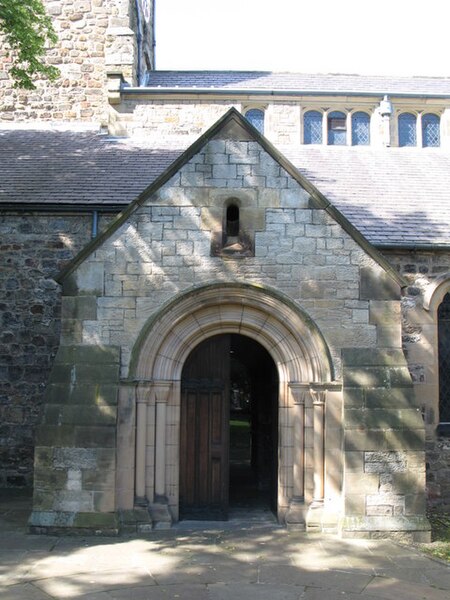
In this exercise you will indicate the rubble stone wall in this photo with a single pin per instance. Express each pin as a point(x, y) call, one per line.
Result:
point(33, 249)
point(94, 37)
point(419, 331)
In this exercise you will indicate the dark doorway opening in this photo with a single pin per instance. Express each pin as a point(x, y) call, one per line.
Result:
point(253, 426)
point(229, 429)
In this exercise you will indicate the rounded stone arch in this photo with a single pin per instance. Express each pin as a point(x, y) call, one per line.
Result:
point(282, 328)
point(291, 338)
point(432, 300)
point(435, 292)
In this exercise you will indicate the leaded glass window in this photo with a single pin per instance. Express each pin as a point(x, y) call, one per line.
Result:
point(444, 359)
point(407, 134)
point(337, 128)
point(360, 129)
point(431, 131)
point(255, 116)
point(312, 127)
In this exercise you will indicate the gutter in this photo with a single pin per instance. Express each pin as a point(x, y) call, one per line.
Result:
point(211, 91)
point(413, 247)
point(64, 208)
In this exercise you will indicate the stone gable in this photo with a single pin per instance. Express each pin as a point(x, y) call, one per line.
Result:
point(290, 272)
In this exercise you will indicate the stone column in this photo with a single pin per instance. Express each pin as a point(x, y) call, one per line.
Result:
point(325, 128)
point(295, 516)
point(159, 508)
point(161, 391)
point(142, 396)
point(319, 438)
point(419, 133)
point(126, 446)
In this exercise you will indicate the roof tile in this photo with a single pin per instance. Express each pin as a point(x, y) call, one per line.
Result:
point(393, 196)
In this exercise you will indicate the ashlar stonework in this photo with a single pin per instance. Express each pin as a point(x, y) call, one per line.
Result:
point(297, 278)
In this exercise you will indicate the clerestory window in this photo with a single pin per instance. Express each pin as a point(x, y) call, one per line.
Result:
point(360, 129)
point(337, 128)
point(431, 136)
point(407, 130)
point(312, 127)
point(255, 116)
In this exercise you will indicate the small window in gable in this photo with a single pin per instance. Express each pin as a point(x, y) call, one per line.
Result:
point(232, 221)
point(431, 131)
point(407, 133)
point(255, 116)
point(312, 127)
point(235, 239)
point(337, 128)
point(360, 129)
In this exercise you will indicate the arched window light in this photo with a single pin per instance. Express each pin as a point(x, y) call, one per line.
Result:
point(431, 136)
point(337, 128)
point(255, 116)
point(312, 127)
point(360, 129)
point(407, 133)
point(444, 359)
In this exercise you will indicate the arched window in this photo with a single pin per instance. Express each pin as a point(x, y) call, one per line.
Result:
point(337, 128)
point(407, 134)
point(255, 116)
point(232, 221)
point(312, 127)
point(444, 359)
point(360, 129)
point(431, 136)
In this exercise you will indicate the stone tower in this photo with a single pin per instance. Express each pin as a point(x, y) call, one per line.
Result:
point(95, 38)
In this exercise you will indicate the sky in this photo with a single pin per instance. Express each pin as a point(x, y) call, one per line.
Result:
point(384, 37)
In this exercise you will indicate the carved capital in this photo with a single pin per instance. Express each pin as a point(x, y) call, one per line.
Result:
point(300, 392)
point(143, 392)
point(318, 396)
point(161, 390)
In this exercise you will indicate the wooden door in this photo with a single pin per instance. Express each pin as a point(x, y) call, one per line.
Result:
point(204, 432)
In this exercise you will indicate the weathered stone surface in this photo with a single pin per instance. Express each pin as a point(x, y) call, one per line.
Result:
point(80, 307)
point(378, 286)
point(93, 38)
point(369, 357)
point(32, 251)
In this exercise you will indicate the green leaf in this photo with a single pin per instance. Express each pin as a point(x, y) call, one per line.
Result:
point(28, 33)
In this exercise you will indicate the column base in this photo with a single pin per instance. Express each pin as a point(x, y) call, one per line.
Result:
point(160, 514)
point(295, 517)
point(401, 528)
point(82, 523)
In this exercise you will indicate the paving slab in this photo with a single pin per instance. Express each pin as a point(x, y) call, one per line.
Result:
point(345, 581)
point(393, 589)
point(254, 560)
point(258, 591)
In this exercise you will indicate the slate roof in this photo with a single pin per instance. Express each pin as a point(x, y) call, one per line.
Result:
point(54, 167)
point(339, 84)
point(398, 196)
point(394, 196)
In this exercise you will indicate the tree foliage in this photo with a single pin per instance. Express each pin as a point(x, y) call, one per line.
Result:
point(28, 31)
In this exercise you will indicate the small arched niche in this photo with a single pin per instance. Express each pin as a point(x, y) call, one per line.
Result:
point(234, 239)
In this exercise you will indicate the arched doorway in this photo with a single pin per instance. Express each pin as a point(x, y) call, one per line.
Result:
point(228, 428)
point(304, 371)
